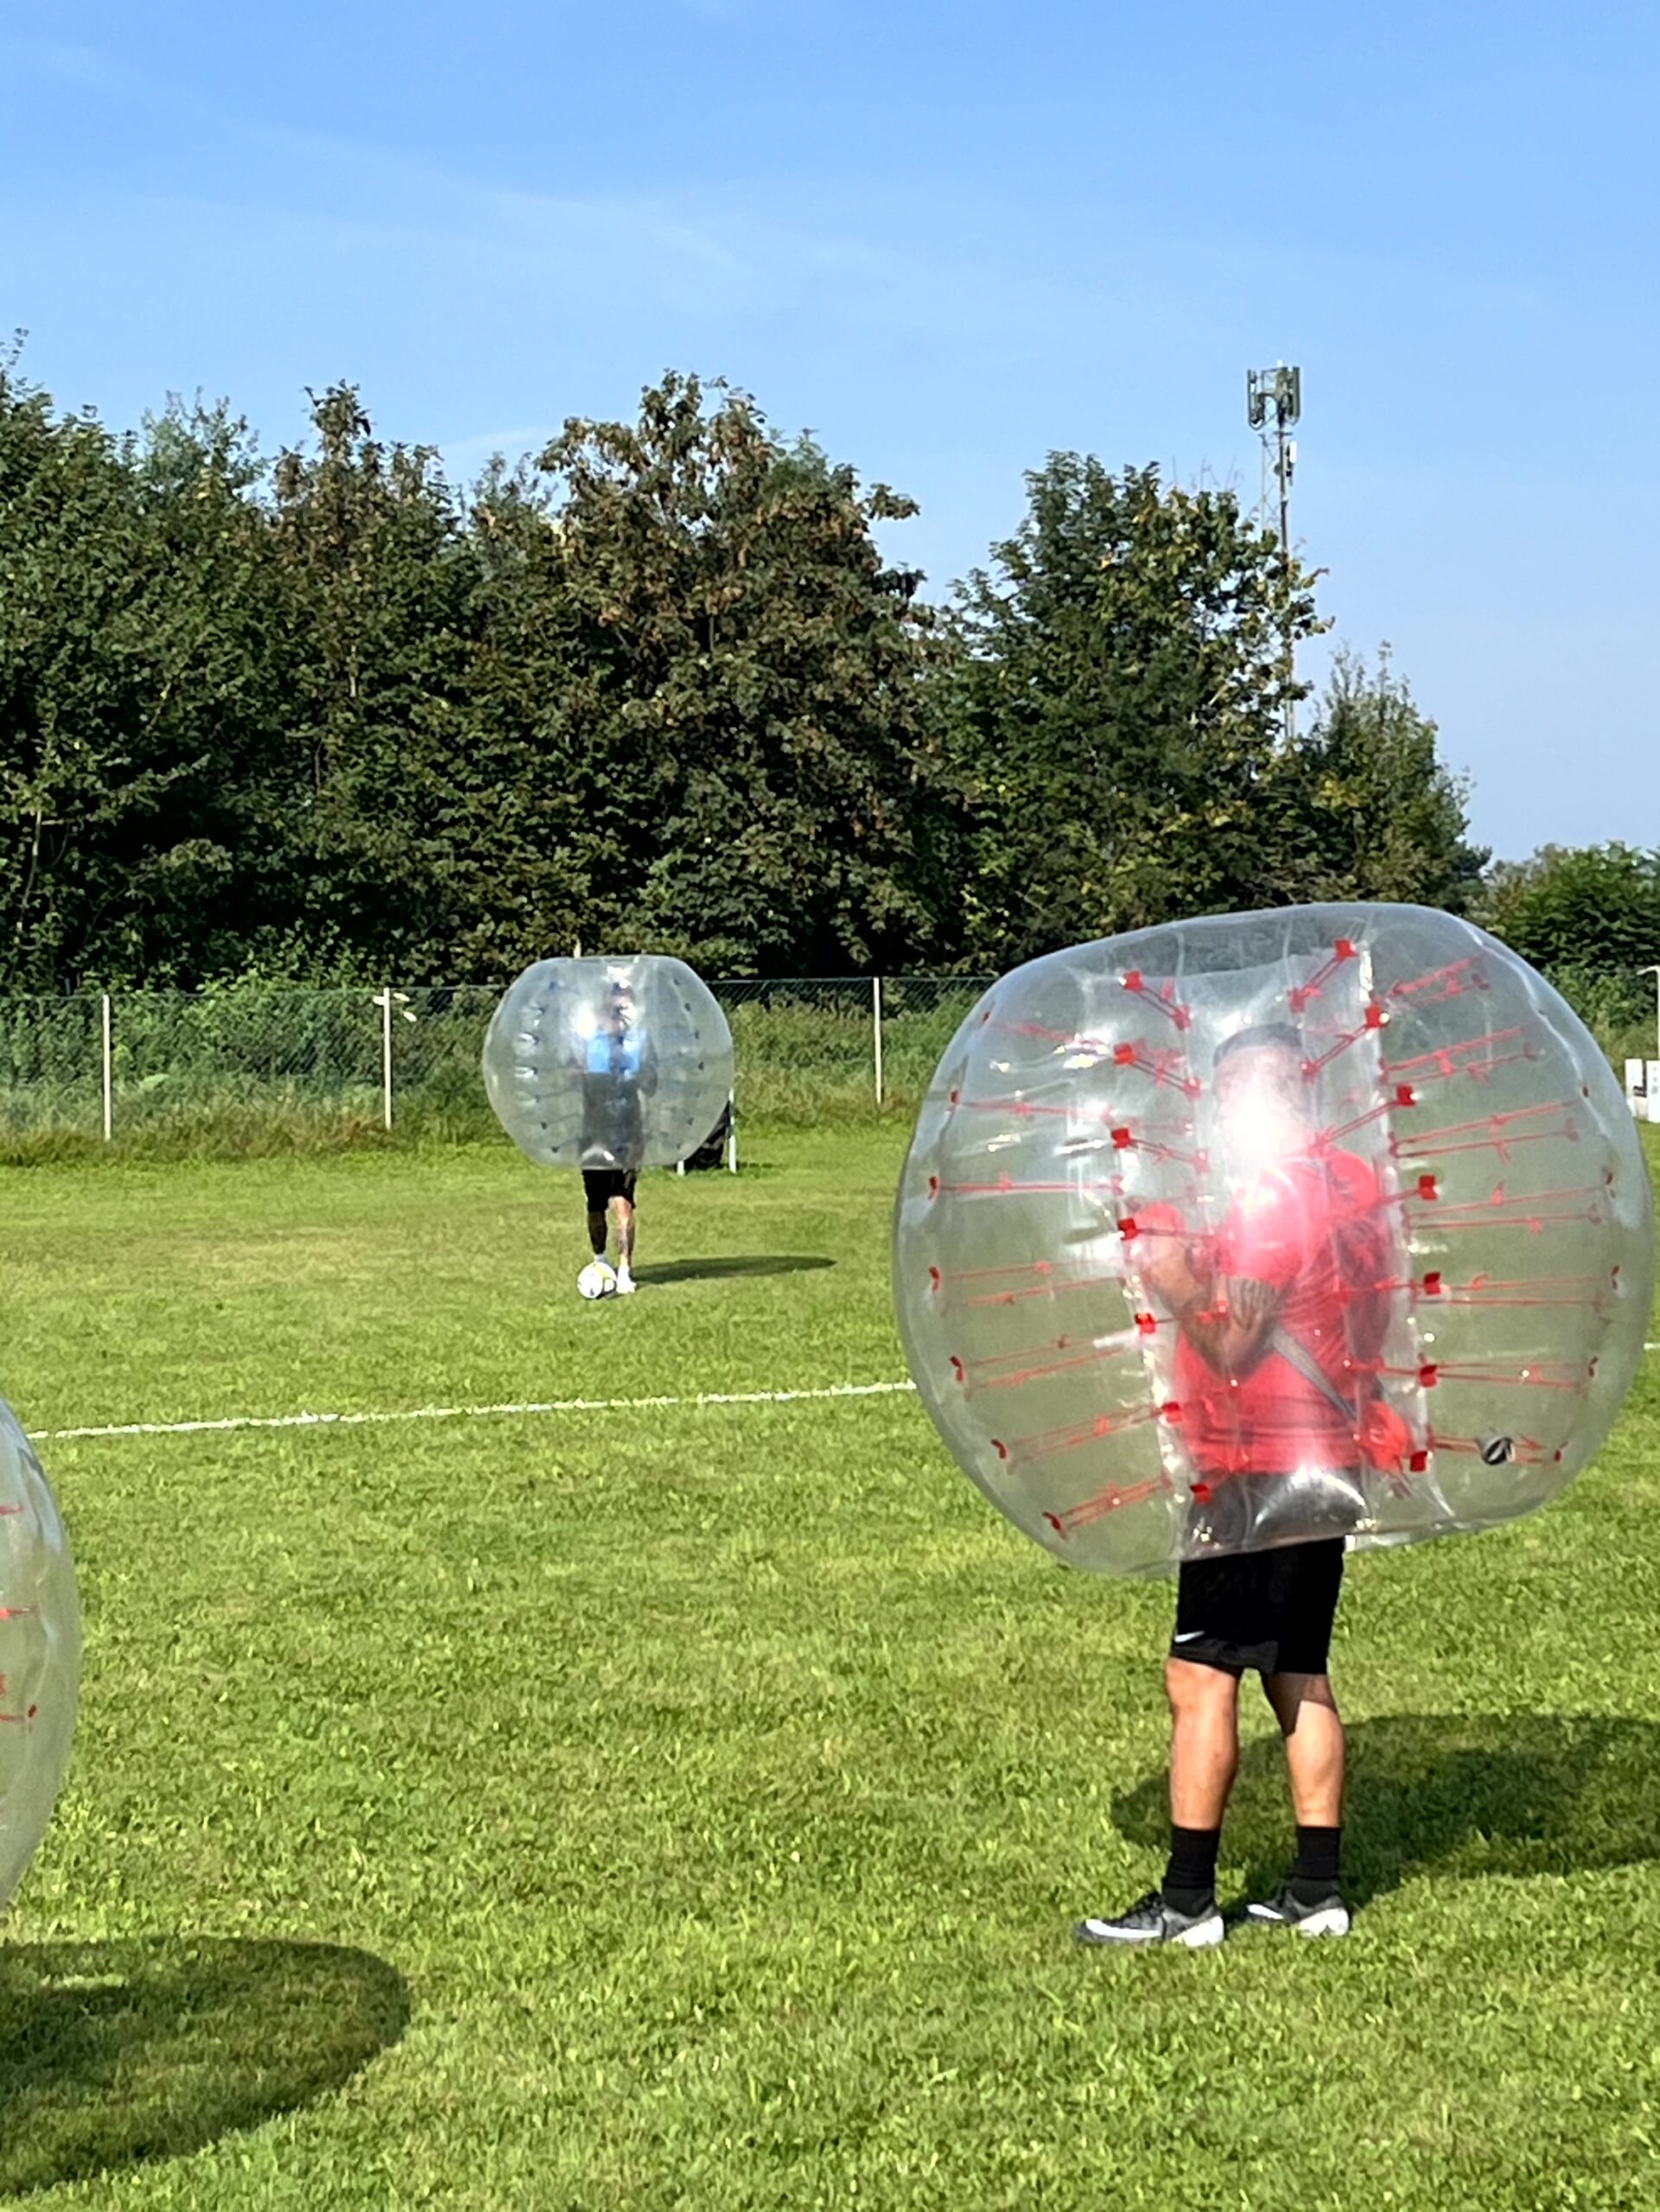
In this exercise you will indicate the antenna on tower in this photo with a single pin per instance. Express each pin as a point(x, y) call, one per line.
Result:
point(1273, 408)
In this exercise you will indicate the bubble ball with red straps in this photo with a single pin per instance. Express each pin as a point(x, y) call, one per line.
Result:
point(40, 1651)
point(1239, 1232)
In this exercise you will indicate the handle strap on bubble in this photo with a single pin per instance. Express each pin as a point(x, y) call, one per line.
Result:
point(1299, 1357)
point(1380, 1431)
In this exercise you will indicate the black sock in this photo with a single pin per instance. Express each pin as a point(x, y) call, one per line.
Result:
point(1190, 1878)
point(1314, 1877)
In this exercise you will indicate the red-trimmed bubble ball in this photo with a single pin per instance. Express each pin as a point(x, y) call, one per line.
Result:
point(39, 1652)
point(619, 1064)
point(1242, 1232)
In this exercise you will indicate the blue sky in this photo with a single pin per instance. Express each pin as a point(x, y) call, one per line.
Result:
point(949, 239)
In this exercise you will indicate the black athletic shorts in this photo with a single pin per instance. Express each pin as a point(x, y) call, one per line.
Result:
point(602, 1185)
point(1270, 1611)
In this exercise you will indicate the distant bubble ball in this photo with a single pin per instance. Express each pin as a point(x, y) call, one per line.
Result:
point(609, 1064)
point(1239, 1232)
point(39, 1652)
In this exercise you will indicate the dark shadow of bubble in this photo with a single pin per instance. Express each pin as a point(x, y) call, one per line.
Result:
point(737, 1263)
point(1457, 1795)
point(111, 2054)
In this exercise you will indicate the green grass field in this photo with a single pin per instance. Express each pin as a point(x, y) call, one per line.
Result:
point(687, 1806)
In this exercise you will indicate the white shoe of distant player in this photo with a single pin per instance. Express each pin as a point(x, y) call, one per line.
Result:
point(625, 1284)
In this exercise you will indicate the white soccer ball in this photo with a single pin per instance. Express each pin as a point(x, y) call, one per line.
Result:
point(598, 1280)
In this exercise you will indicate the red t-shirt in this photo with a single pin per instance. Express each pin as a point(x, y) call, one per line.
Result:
point(1313, 1230)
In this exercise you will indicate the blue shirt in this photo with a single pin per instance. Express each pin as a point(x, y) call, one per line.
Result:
point(609, 1054)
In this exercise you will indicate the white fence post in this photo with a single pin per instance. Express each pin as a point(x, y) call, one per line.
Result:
point(109, 1073)
point(384, 1001)
point(876, 1014)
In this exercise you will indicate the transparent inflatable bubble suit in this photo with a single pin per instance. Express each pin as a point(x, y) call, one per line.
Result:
point(608, 1064)
point(1327, 1221)
point(39, 1652)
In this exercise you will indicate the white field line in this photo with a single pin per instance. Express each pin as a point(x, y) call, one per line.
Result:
point(519, 1407)
point(471, 1413)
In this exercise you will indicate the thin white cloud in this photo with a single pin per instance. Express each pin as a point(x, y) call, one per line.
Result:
point(372, 192)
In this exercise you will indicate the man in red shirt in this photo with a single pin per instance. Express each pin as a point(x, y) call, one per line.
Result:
point(1279, 1315)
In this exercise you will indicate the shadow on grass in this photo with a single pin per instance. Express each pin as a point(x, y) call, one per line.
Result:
point(1458, 1794)
point(114, 2053)
point(734, 1263)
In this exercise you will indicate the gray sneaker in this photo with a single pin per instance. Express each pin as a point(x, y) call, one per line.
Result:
point(1330, 1916)
point(1149, 1920)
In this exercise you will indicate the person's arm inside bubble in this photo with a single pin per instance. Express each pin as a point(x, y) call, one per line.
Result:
point(1228, 1319)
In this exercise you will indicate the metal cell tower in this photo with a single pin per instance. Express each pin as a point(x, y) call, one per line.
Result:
point(1273, 408)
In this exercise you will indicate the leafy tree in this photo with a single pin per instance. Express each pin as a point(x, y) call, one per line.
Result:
point(1362, 806)
point(1126, 666)
point(378, 582)
point(546, 815)
point(662, 689)
point(1587, 916)
point(736, 688)
point(136, 736)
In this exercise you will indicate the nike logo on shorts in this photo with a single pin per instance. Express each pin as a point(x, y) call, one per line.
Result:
point(1192, 1635)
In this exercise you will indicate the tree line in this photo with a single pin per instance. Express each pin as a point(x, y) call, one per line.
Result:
point(327, 716)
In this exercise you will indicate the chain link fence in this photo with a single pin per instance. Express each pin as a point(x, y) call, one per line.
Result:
point(252, 1066)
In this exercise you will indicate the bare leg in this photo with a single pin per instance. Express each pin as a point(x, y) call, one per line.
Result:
point(1204, 1741)
point(1313, 1729)
point(1204, 1754)
point(623, 1213)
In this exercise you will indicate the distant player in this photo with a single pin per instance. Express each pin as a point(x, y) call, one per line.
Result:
point(1270, 1314)
point(619, 1070)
